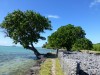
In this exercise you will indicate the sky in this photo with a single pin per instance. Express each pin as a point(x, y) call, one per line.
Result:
point(84, 13)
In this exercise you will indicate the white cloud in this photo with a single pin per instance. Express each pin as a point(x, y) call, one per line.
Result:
point(3, 42)
point(95, 2)
point(53, 16)
point(55, 30)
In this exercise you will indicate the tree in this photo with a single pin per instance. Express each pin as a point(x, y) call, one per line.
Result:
point(66, 36)
point(82, 44)
point(25, 28)
point(47, 46)
point(96, 47)
point(44, 45)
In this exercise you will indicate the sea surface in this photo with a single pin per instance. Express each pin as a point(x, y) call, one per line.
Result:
point(12, 58)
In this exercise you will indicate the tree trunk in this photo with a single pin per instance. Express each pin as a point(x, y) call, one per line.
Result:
point(57, 53)
point(34, 50)
point(68, 49)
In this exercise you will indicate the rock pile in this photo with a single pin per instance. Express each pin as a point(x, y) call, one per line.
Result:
point(76, 62)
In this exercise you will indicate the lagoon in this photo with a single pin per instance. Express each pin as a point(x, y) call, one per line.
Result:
point(13, 59)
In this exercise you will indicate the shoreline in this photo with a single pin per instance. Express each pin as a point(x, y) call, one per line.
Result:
point(34, 70)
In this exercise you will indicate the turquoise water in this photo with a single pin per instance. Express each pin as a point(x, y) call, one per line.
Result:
point(12, 57)
point(8, 53)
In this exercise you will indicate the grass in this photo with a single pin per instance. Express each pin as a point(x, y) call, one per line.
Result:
point(46, 67)
point(96, 49)
point(91, 51)
point(58, 68)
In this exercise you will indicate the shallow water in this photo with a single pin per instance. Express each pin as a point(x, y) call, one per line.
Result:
point(14, 58)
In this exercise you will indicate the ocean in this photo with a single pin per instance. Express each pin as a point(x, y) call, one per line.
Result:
point(13, 58)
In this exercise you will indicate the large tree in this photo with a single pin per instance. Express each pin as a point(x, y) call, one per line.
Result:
point(25, 28)
point(66, 36)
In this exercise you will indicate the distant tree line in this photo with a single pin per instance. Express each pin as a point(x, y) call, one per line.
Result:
point(96, 47)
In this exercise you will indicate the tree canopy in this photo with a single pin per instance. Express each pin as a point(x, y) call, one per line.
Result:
point(26, 27)
point(66, 36)
point(82, 44)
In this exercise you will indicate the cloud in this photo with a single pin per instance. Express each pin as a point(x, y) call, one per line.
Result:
point(53, 16)
point(3, 42)
point(95, 2)
point(54, 30)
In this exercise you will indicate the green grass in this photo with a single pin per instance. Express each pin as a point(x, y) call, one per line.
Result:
point(46, 67)
point(58, 68)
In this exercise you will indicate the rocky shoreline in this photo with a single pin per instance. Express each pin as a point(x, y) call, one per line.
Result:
point(34, 70)
point(78, 63)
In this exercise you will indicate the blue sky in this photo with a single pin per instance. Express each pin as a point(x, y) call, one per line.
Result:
point(84, 13)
